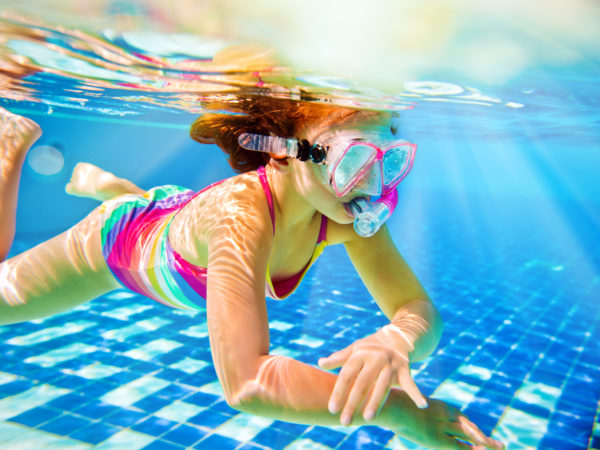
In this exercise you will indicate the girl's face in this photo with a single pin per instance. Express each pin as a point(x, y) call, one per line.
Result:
point(312, 180)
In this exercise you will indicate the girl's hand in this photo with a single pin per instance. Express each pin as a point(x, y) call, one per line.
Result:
point(441, 426)
point(371, 366)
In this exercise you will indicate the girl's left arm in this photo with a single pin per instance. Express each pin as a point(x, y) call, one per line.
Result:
point(372, 365)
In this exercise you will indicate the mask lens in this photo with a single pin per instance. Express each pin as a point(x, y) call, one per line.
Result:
point(395, 164)
point(348, 169)
point(370, 183)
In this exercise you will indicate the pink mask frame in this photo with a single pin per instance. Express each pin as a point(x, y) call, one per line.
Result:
point(376, 161)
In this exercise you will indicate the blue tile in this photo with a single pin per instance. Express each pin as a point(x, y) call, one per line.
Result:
point(325, 436)
point(65, 424)
point(166, 373)
point(246, 446)
point(360, 439)
point(491, 405)
point(45, 376)
point(96, 410)
point(162, 445)
point(469, 379)
point(577, 402)
point(68, 402)
point(502, 385)
point(70, 382)
point(95, 433)
point(14, 387)
point(484, 420)
point(442, 367)
point(124, 417)
point(196, 379)
point(36, 416)
point(97, 389)
point(185, 435)
point(144, 367)
point(273, 438)
point(217, 442)
point(202, 399)
point(577, 428)
point(173, 392)
point(379, 435)
point(547, 377)
point(295, 429)
point(589, 387)
point(223, 407)
point(171, 357)
point(152, 403)
point(121, 378)
point(209, 418)
point(531, 408)
point(553, 442)
point(154, 426)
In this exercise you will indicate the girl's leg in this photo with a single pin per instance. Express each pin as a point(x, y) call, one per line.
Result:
point(67, 270)
point(17, 134)
point(57, 275)
point(90, 181)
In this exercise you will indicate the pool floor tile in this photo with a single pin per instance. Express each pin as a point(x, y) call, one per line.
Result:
point(184, 435)
point(520, 428)
point(216, 441)
point(95, 433)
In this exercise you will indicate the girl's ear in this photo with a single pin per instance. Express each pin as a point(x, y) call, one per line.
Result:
point(279, 163)
point(206, 140)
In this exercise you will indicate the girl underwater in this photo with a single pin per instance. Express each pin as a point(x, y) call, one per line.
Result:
point(307, 172)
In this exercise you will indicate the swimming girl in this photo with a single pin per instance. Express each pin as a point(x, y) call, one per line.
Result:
point(308, 172)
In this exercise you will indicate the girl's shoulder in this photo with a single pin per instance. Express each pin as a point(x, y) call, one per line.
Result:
point(243, 190)
point(239, 199)
point(230, 213)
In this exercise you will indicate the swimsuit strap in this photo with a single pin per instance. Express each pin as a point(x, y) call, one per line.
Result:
point(262, 176)
point(285, 287)
point(323, 230)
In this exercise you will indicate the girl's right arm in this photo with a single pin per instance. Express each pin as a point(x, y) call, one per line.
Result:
point(276, 386)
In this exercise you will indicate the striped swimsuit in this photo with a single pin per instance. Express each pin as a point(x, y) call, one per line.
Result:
point(136, 247)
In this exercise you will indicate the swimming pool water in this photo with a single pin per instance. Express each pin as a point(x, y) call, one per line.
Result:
point(520, 351)
point(499, 218)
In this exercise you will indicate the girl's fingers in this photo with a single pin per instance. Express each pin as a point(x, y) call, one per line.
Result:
point(344, 382)
point(410, 387)
point(451, 443)
point(467, 430)
point(362, 385)
point(335, 360)
point(379, 394)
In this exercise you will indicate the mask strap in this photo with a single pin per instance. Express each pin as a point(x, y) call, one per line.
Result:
point(279, 146)
point(315, 152)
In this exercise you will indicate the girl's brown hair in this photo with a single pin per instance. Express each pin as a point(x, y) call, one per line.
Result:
point(266, 115)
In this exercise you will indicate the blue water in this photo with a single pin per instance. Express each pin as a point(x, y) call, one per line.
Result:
point(500, 219)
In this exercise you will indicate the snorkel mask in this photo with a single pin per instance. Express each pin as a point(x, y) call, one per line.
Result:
point(355, 162)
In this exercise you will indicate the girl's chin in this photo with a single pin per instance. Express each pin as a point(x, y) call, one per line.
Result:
point(348, 211)
point(344, 216)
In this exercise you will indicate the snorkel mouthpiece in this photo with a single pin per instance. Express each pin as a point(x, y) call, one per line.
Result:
point(369, 216)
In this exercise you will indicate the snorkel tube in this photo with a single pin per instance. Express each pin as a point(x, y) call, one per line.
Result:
point(369, 216)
